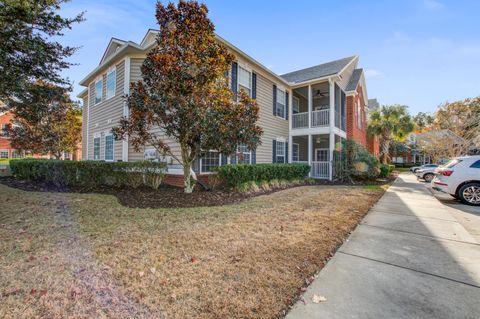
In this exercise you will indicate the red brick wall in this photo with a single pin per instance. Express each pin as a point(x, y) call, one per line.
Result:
point(359, 134)
point(373, 145)
point(5, 142)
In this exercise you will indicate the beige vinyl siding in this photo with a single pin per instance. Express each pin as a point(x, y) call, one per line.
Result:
point(273, 126)
point(136, 75)
point(106, 114)
point(84, 126)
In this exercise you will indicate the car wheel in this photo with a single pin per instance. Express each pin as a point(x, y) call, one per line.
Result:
point(428, 177)
point(470, 194)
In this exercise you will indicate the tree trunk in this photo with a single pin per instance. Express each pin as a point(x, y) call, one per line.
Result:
point(385, 150)
point(187, 180)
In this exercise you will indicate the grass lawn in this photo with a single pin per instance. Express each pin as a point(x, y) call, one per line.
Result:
point(87, 256)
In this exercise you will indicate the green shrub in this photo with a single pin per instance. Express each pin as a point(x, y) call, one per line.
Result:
point(234, 175)
point(355, 162)
point(89, 173)
point(391, 168)
point(384, 170)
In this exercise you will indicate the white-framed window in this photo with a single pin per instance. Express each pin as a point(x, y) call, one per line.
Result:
point(96, 148)
point(359, 116)
point(111, 83)
point(280, 111)
point(295, 152)
point(3, 153)
point(5, 130)
point(280, 151)
point(245, 80)
point(209, 161)
point(244, 155)
point(16, 154)
point(98, 90)
point(295, 105)
point(109, 147)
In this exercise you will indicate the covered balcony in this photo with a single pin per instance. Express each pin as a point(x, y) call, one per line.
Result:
point(318, 105)
point(317, 150)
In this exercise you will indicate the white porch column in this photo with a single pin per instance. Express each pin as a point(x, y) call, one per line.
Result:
point(126, 112)
point(331, 143)
point(310, 101)
point(290, 139)
point(310, 153)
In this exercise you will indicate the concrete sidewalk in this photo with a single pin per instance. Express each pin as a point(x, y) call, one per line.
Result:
point(409, 258)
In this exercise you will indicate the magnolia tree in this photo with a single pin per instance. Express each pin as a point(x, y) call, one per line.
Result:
point(186, 94)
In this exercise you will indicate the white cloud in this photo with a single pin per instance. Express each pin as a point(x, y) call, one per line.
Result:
point(372, 73)
point(433, 4)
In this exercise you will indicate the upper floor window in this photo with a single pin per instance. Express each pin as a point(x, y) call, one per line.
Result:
point(280, 111)
point(111, 83)
point(5, 130)
point(98, 91)
point(109, 147)
point(245, 80)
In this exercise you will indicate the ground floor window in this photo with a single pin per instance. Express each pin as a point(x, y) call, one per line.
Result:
point(3, 153)
point(321, 154)
point(96, 148)
point(209, 161)
point(280, 152)
point(295, 152)
point(16, 154)
point(109, 147)
point(244, 155)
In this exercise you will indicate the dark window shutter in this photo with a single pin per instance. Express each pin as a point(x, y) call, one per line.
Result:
point(286, 152)
point(286, 105)
point(254, 85)
point(224, 160)
point(235, 77)
point(274, 99)
point(274, 151)
point(254, 156)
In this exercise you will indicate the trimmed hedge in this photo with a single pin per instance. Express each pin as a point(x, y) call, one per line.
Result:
point(235, 175)
point(89, 173)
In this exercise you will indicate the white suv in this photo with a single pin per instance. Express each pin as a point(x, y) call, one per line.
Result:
point(460, 178)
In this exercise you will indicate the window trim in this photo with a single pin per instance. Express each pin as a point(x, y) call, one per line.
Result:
point(201, 159)
point(98, 80)
point(105, 148)
point(112, 70)
point(321, 149)
point(4, 150)
point(277, 148)
point(249, 152)
point(281, 90)
point(247, 69)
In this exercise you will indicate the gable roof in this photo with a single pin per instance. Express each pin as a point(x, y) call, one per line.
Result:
point(112, 47)
point(318, 71)
point(354, 80)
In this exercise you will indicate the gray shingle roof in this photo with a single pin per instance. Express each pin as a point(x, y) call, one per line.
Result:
point(353, 82)
point(317, 71)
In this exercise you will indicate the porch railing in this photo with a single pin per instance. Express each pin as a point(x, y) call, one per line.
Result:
point(320, 169)
point(300, 120)
point(320, 118)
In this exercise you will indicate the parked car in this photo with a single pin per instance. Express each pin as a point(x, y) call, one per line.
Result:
point(414, 169)
point(461, 179)
point(427, 173)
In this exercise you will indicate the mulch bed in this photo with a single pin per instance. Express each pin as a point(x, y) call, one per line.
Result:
point(166, 196)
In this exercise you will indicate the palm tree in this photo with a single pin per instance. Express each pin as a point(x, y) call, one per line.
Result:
point(391, 122)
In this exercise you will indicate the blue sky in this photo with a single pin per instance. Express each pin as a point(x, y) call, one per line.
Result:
point(415, 52)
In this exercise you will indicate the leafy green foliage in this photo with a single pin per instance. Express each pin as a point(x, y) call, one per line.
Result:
point(235, 175)
point(356, 163)
point(46, 120)
point(89, 173)
point(390, 122)
point(29, 50)
point(185, 93)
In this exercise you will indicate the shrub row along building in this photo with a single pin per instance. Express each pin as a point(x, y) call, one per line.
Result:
point(305, 114)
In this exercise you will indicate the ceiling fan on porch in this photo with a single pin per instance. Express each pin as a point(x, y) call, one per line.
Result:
point(319, 94)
